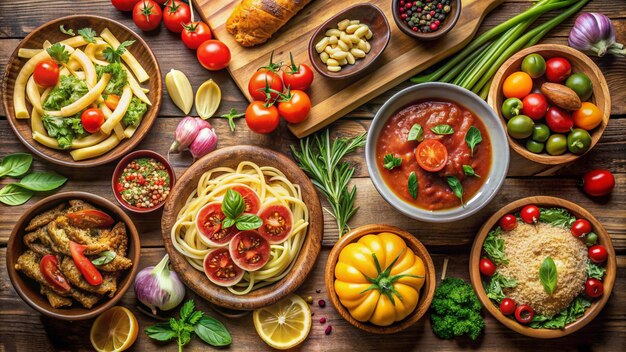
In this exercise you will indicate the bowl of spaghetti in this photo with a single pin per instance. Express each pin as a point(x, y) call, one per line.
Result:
point(243, 227)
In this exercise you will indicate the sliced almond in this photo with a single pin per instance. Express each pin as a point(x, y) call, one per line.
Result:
point(179, 89)
point(208, 98)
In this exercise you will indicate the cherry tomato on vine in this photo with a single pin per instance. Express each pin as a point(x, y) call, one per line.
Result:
point(534, 106)
point(558, 69)
point(261, 79)
point(261, 118)
point(597, 183)
point(194, 34)
point(530, 214)
point(507, 306)
point(597, 254)
point(46, 73)
point(299, 76)
point(508, 222)
point(594, 287)
point(147, 15)
point(296, 106)
point(124, 5)
point(213, 55)
point(580, 228)
point(175, 14)
point(487, 267)
point(92, 119)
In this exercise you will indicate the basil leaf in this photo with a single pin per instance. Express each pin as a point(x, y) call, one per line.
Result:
point(556, 217)
point(104, 258)
point(416, 133)
point(248, 222)
point(595, 271)
point(548, 275)
point(443, 129)
point(473, 137)
point(88, 34)
point(456, 187)
point(228, 222)
point(160, 332)
point(391, 161)
point(469, 171)
point(213, 332)
point(494, 247)
point(413, 185)
point(233, 204)
point(15, 165)
point(42, 181)
point(12, 194)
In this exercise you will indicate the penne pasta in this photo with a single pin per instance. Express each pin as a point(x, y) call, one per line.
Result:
point(132, 62)
point(28, 53)
point(84, 101)
point(33, 94)
point(92, 50)
point(90, 70)
point(119, 111)
point(36, 124)
point(46, 140)
point(95, 150)
point(135, 87)
point(75, 41)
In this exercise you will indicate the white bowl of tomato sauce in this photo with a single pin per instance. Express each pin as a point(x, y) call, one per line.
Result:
point(437, 152)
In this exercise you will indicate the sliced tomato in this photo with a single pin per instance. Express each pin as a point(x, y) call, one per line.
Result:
point(84, 265)
point(431, 155)
point(111, 101)
point(209, 224)
point(249, 250)
point(220, 268)
point(253, 203)
point(49, 267)
point(277, 222)
point(90, 218)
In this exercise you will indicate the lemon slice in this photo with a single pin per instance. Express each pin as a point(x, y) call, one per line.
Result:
point(284, 324)
point(114, 330)
point(208, 98)
point(179, 89)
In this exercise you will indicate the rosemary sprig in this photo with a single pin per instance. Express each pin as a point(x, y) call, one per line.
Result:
point(321, 159)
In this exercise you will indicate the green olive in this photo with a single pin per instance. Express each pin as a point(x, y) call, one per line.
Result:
point(535, 147)
point(578, 141)
point(556, 144)
point(541, 132)
point(520, 126)
point(591, 239)
point(581, 84)
point(511, 107)
point(534, 65)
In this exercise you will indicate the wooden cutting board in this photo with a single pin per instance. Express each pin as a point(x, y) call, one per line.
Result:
point(331, 99)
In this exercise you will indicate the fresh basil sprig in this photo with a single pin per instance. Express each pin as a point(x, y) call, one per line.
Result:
point(104, 258)
point(456, 187)
point(413, 185)
point(469, 171)
point(472, 138)
point(443, 129)
point(233, 206)
point(15, 165)
point(42, 181)
point(548, 275)
point(391, 161)
point(416, 133)
point(12, 194)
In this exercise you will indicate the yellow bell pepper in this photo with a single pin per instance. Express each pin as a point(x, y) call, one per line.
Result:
point(378, 279)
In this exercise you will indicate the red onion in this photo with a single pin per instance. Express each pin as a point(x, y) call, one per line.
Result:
point(205, 142)
point(158, 287)
point(186, 132)
point(594, 34)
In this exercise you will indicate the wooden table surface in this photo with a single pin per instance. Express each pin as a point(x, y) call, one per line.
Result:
point(23, 329)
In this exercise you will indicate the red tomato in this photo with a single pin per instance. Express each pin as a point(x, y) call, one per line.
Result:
point(147, 15)
point(580, 228)
point(277, 222)
point(220, 268)
point(92, 119)
point(124, 5)
point(261, 79)
point(298, 77)
point(524, 314)
point(46, 73)
point(194, 34)
point(594, 287)
point(296, 108)
point(530, 214)
point(90, 218)
point(508, 222)
point(175, 14)
point(213, 55)
point(85, 266)
point(597, 254)
point(249, 250)
point(431, 155)
point(597, 183)
point(534, 106)
point(558, 69)
point(261, 118)
point(487, 267)
point(111, 101)
point(209, 225)
point(507, 306)
point(49, 267)
point(559, 120)
point(250, 198)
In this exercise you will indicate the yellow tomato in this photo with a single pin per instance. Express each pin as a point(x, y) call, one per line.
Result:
point(588, 116)
point(378, 279)
point(517, 85)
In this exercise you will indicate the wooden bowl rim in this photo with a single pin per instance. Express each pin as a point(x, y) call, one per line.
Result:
point(602, 91)
point(596, 305)
point(312, 244)
point(104, 304)
point(427, 292)
point(364, 67)
point(447, 25)
point(149, 118)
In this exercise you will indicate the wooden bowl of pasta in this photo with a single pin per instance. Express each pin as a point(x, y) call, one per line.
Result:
point(125, 97)
point(269, 274)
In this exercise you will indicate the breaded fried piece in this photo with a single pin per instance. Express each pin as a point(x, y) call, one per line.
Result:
point(44, 218)
point(61, 232)
point(120, 262)
point(56, 301)
point(28, 263)
point(77, 204)
point(74, 276)
point(87, 299)
point(40, 242)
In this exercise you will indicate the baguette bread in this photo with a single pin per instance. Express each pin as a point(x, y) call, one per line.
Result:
point(253, 22)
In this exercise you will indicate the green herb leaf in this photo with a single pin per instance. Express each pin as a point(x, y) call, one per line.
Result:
point(413, 185)
point(548, 275)
point(105, 258)
point(15, 165)
point(416, 133)
point(160, 332)
point(58, 53)
point(231, 116)
point(556, 217)
point(496, 284)
point(391, 161)
point(472, 138)
point(66, 31)
point(195, 317)
point(187, 310)
point(575, 310)
point(233, 204)
point(212, 332)
point(42, 181)
point(88, 34)
point(248, 222)
point(135, 112)
point(442, 129)
point(12, 194)
point(469, 171)
point(595, 271)
point(494, 247)
point(228, 222)
point(456, 187)
point(114, 55)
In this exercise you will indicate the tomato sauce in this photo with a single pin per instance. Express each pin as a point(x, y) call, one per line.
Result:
point(433, 191)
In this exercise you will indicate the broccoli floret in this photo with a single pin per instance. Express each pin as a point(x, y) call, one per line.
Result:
point(455, 310)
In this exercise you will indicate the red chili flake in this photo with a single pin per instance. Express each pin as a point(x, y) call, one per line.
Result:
point(322, 320)
point(328, 330)
point(321, 303)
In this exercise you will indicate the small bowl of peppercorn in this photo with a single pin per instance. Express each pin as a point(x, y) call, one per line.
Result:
point(426, 19)
point(142, 181)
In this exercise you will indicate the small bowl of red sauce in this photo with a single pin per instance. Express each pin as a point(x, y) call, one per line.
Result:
point(437, 152)
point(142, 181)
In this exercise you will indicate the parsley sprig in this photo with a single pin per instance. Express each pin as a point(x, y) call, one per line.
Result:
point(113, 55)
point(58, 53)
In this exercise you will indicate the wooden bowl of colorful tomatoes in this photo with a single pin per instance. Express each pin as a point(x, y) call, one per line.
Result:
point(554, 102)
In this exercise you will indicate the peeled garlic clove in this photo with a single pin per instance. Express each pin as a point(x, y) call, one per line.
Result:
point(208, 98)
point(179, 89)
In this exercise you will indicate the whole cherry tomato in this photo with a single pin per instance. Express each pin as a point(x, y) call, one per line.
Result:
point(558, 69)
point(530, 214)
point(299, 76)
point(597, 254)
point(534, 106)
point(487, 267)
point(507, 306)
point(594, 287)
point(124, 5)
point(559, 120)
point(517, 85)
point(213, 55)
point(175, 14)
point(597, 183)
point(580, 228)
point(147, 15)
point(508, 222)
point(261, 118)
point(92, 119)
point(524, 314)
point(296, 106)
point(588, 117)
point(46, 73)
point(264, 78)
point(194, 34)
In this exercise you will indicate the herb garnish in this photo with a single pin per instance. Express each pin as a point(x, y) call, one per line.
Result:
point(58, 53)
point(557, 217)
point(443, 129)
point(391, 161)
point(233, 207)
point(548, 275)
point(456, 187)
point(66, 31)
point(469, 171)
point(494, 246)
point(472, 138)
point(113, 55)
point(595, 271)
point(566, 316)
point(416, 133)
point(496, 284)
point(231, 116)
point(88, 34)
point(413, 185)
point(105, 258)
